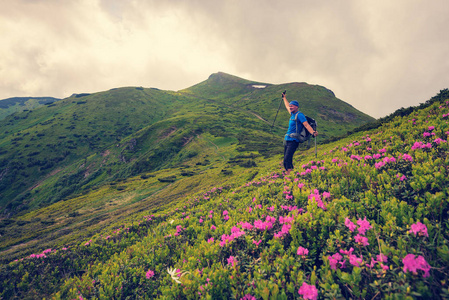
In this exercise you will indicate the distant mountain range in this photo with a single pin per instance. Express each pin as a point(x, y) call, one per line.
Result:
point(54, 149)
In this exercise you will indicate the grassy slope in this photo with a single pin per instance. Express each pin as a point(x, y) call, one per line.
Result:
point(13, 105)
point(334, 116)
point(113, 262)
point(55, 152)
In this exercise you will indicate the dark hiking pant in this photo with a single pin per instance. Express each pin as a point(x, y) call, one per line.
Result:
point(289, 149)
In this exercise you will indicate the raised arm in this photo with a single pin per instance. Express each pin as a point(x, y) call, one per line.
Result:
point(287, 106)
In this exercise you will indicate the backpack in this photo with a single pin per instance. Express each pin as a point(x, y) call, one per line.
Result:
point(304, 135)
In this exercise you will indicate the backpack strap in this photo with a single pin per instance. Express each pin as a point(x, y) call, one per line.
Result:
point(296, 122)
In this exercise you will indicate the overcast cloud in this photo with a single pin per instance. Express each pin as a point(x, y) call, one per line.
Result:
point(377, 55)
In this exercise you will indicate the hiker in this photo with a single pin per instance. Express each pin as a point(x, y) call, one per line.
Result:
point(291, 143)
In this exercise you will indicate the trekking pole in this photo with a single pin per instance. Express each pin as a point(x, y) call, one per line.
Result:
point(282, 100)
point(315, 144)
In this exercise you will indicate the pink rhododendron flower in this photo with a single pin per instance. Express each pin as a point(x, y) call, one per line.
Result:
point(401, 178)
point(372, 263)
point(413, 264)
point(257, 243)
point(302, 251)
point(316, 195)
point(377, 156)
point(300, 185)
point(406, 157)
point(211, 240)
point(439, 141)
point(213, 227)
point(246, 225)
point(431, 128)
point(232, 261)
point(361, 240)
point(284, 231)
point(350, 225)
point(334, 260)
point(379, 165)
point(382, 258)
point(364, 226)
point(308, 291)
point(235, 233)
point(355, 261)
point(149, 274)
point(285, 220)
point(419, 229)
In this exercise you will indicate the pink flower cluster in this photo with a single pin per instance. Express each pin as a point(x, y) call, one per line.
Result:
point(380, 260)
point(41, 255)
point(302, 252)
point(149, 274)
point(406, 157)
point(337, 259)
point(292, 208)
point(355, 157)
point(225, 215)
point(419, 229)
point(232, 261)
point(364, 225)
point(413, 264)
point(439, 141)
point(235, 233)
point(401, 178)
point(316, 195)
point(421, 145)
point(287, 225)
point(308, 291)
point(386, 160)
point(267, 225)
point(179, 229)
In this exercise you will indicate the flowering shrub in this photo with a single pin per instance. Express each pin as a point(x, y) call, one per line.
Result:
point(368, 220)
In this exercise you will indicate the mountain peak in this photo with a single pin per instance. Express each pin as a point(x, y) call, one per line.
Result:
point(222, 77)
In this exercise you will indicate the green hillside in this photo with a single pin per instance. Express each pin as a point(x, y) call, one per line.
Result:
point(366, 218)
point(19, 104)
point(334, 116)
point(83, 142)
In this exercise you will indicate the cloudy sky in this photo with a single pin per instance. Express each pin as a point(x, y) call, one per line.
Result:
point(377, 55)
